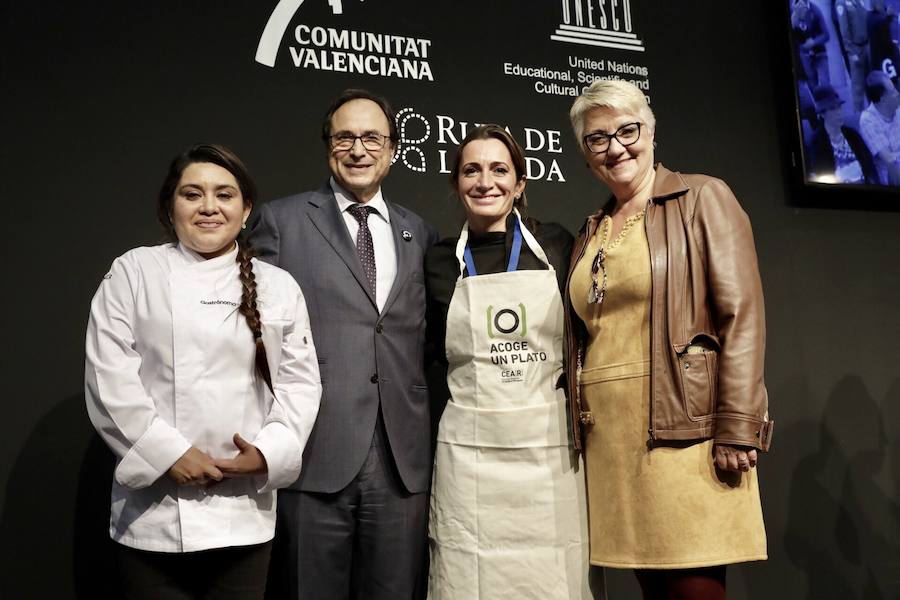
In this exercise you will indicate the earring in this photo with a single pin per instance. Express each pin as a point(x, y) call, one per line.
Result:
point(244, 225)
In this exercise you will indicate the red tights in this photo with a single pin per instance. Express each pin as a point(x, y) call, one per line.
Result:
point(682, 584)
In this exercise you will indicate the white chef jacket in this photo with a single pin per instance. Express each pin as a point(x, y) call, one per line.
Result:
point(170, 364)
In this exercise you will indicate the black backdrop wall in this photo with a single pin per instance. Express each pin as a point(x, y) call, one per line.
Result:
point(97, 97)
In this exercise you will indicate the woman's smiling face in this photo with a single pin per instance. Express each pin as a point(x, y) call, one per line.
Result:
point(208, 210)
point(488, 184)
point(619, 167)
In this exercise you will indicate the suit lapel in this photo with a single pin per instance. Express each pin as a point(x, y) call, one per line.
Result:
point(404, 251)
point(328, 220)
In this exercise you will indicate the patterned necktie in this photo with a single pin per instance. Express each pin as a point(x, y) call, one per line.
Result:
point(364, 247)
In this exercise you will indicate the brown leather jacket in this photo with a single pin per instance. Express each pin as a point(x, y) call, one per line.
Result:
point(706, 293)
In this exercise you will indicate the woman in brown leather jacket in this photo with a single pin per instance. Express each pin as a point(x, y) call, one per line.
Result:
point(665, 343)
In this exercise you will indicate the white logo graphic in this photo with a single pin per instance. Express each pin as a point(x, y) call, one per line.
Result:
point(420, 136)
point(604, 23)
point(270, 40)
point(322, 48)
point(408, 145)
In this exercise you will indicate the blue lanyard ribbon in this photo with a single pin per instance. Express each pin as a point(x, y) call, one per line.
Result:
point(513, 254)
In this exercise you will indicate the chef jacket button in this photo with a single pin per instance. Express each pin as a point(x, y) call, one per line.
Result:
point(374, 378)
point(379, 328)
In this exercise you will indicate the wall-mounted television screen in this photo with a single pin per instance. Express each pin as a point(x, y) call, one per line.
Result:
point(846, 59)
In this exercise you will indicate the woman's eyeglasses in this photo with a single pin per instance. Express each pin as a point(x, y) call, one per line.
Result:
point(598, 142)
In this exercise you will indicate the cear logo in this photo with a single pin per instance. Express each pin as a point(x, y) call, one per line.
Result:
point(506, 320)
point(270, 41)
point(598, 23)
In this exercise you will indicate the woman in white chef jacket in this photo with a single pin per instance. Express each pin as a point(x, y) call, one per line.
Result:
point(201, 376)
point(508, 508)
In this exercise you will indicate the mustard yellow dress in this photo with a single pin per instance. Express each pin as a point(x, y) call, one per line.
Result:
point(660, 508)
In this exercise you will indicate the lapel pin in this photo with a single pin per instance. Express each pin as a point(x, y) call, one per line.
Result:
point(406, 235)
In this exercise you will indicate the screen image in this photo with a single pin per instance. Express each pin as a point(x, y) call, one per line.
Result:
point(846, 58)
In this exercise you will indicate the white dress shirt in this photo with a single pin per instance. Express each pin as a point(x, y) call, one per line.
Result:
point(382, 238)
point(170, 365)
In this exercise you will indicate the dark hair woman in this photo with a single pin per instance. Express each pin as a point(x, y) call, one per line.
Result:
point(665, 343)
point(508, 513)
point(201, 376)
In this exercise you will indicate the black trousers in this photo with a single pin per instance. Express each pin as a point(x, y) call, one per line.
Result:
point(366, 542)
point(234, 573)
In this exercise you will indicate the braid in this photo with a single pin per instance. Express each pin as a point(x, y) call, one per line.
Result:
point(250, 311)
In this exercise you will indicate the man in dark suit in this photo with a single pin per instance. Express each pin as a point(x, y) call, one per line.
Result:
point(354, 524)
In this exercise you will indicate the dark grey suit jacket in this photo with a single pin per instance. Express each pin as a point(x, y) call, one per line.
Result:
point(364, 357)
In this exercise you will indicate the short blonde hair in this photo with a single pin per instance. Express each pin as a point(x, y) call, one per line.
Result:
point(615, 94)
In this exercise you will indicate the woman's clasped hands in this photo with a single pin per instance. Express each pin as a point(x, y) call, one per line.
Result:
point(196, 467)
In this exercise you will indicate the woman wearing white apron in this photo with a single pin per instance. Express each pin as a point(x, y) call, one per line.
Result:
point(508, 506)
point(202, 378)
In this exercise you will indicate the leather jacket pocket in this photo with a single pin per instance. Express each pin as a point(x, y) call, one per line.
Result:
point(699, 380)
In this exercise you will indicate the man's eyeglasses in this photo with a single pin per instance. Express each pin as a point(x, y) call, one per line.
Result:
point(598, 142)
point(345, 141)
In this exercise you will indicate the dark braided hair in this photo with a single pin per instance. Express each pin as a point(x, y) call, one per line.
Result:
point(228, 160)
point(250, 311)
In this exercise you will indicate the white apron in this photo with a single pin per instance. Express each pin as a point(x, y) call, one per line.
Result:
point(508, 511)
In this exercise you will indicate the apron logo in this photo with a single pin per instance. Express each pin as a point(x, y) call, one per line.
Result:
point(506, 320)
